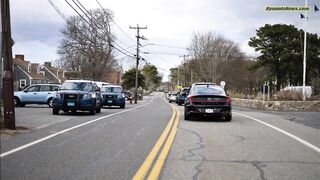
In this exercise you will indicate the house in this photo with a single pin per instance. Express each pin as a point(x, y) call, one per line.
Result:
point(26, 73)
point(113, 77)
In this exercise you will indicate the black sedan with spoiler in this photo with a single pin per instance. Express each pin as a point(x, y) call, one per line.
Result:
point(207, 99)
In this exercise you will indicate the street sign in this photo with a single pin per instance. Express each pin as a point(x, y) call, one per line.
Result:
point(288, 8)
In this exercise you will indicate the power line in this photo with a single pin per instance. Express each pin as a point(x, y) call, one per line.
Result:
point(94, 28)
point(63, 16)
point(113, 37)
point(116, 23)
point(169, 46)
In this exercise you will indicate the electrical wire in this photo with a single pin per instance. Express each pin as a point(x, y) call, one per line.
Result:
point(94, 28)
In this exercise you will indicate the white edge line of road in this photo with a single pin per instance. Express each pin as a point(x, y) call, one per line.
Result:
point(284, 132)
point(66, 130)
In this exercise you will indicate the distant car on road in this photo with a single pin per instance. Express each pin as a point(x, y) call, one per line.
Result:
point(74, 95)
point(128, 95)
point(173, 97)
point(36, 94)
point(112, 95)
point(207, 99)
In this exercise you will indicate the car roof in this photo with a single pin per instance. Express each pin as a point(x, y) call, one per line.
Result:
point(45, 84)
point(203, 83)
point(78, 80)
point(111, 85)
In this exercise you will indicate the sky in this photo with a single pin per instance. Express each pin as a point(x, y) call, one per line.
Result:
point(170, 25)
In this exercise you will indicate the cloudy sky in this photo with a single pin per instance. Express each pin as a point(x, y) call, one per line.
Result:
point(170, 24)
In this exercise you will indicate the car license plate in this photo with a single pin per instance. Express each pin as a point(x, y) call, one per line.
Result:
point(71, 104)
point(109, 101)
point(209, 110)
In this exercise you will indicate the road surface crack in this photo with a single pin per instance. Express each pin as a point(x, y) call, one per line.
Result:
point(259, 166)
point(192, 153)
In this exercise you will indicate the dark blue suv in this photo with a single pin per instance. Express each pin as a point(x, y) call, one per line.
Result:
point(182, 95)
point(74, 95)
point(112, 95)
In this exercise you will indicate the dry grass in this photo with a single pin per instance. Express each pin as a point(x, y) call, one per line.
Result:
point(290, 95)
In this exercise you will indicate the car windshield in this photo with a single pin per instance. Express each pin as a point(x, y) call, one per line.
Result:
point(111, 89)
point(80, 86)
point(206, 90)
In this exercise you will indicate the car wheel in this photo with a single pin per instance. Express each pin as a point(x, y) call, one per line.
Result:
point(92, 112)
point(50, 102)
point(169, 101)
point(65, 111)
point(73, 111)
point(186, 116)
point(98, 110)
point(55, 111)
point(16, 102)
point(122, 106)
point(22, 105)
point(228, 117)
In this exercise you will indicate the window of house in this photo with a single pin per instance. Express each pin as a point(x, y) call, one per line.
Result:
point(29, 68)
point(23, 83)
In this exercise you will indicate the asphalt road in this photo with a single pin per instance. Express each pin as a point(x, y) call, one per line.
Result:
point(115, 143)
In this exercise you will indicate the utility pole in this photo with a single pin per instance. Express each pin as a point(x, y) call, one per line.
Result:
point(185, 70)
point(7, 43)
point(178, 80)
point(137, 62)
point(191, 78)
point(305, 53)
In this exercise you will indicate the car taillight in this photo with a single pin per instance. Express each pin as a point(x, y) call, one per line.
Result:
point(228, 99)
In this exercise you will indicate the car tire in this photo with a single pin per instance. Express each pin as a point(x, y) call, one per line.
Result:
point(98, 110)
point(122, 106)
point(50, 102)
point(169, 101)
point(55, 111)
point(228, 117)
point(92, 111)
point(16, 102)
point(186, 116)
point(22, 105)
point(65, 111)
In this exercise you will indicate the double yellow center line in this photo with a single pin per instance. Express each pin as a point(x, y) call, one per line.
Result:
point(165, 140)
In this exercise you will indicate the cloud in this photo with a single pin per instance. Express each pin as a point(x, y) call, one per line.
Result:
point(170, 22)
point(35, 51)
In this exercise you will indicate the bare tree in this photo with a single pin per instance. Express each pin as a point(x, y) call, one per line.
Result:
point(208, 52)
point(86, 48)
point(215, 58)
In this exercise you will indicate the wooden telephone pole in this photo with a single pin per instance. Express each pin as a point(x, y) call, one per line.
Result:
point(137, 62)
point(7, 43)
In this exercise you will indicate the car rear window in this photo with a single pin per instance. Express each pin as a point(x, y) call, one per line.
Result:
point(206, 90)
point(82, 86)
point(111, 89)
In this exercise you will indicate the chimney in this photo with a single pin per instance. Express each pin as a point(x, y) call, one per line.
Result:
point(47, 64)
point(19, 57)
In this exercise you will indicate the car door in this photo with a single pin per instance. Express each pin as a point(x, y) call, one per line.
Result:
point(29, 95)
point(43, 94)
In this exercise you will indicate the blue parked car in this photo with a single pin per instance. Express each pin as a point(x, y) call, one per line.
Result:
point(36, 94)
point(112, 95)
point(74, 95)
